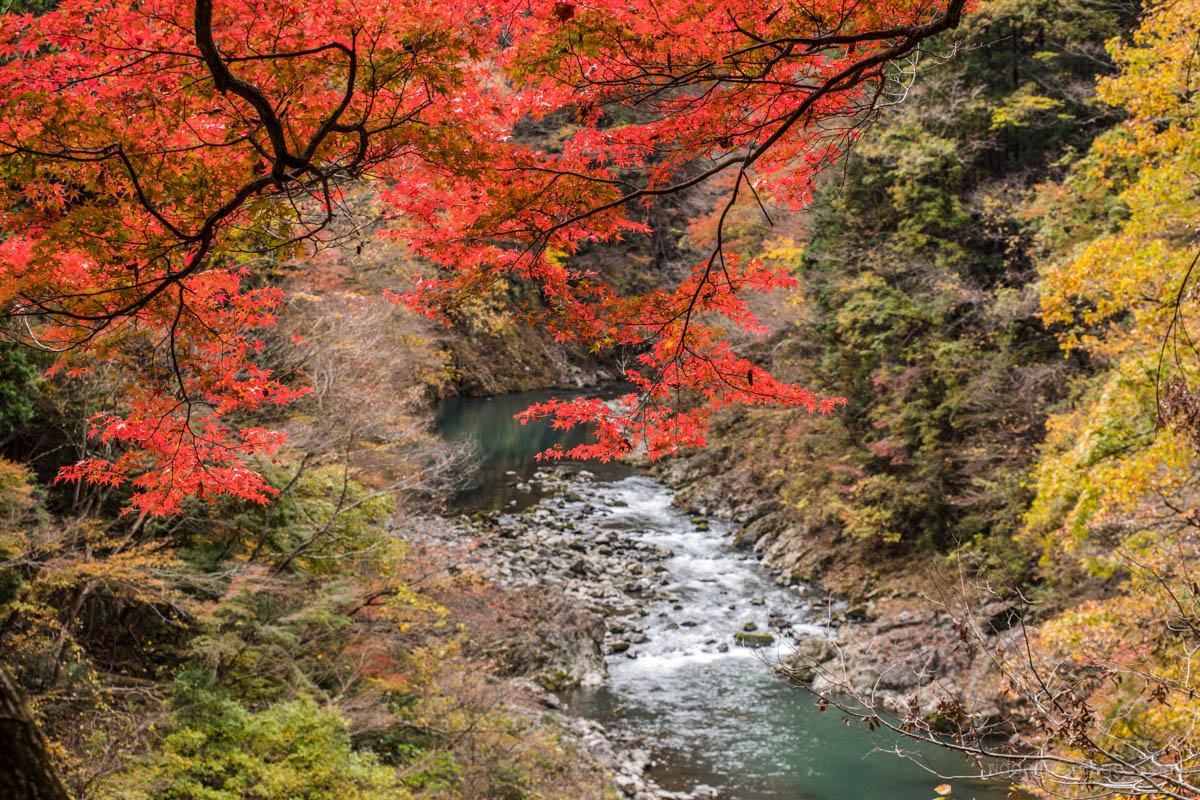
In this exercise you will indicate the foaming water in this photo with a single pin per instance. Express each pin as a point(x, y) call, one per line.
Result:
point(713, 591)
point(711, 713)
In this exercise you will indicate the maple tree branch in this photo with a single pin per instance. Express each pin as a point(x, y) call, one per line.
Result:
point(869, 68)
point(226, 81)
point(143, 199)
point(844, 79)
point(330, 123)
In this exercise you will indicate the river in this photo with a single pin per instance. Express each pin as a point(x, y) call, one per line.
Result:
point(710, 714)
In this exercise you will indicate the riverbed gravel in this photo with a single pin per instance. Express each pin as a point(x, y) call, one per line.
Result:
point(561, 544)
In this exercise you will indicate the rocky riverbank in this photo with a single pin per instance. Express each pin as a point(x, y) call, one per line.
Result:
point(907, 637)
point(618, 589)
point(610, 582)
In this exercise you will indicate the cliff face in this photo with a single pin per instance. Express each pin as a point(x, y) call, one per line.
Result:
point(519, 359)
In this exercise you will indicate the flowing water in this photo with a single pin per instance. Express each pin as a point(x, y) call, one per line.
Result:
point(709, 715)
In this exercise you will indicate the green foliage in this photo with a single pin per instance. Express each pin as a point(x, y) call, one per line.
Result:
point(920, 299)
point(263, 639)
point(218, 749)
point(428, 767)
point(18, 389)
point(27, 6)
point(321, 517)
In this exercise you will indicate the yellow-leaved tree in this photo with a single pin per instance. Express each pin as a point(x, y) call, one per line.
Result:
point(1115, 680)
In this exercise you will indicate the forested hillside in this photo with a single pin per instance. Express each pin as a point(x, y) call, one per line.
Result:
point(902, 297)
point(920, 298)
point(1003, 275)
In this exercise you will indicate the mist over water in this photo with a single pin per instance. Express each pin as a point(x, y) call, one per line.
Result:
point(709, 714)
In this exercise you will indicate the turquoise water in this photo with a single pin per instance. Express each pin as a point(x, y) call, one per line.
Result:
point(707, 717)
point(729, 724)
point(505, 450)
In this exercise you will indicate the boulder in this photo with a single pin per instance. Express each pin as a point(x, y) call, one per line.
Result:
point(810, 652)
point(747, 538)
point(753, 640)
point(814, 648)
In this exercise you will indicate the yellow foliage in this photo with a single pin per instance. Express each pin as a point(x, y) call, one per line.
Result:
point(1116, 488)
point(1118, 295)
point(1021, 107)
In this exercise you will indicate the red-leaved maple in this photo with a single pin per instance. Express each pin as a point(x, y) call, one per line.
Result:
point(156, 156)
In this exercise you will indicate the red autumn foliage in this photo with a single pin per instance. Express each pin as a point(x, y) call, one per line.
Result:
point(156, 159)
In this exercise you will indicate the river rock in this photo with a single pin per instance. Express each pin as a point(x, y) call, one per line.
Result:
point(598, 568)
point(761, 530)
point(809, 653)
point(753, 640)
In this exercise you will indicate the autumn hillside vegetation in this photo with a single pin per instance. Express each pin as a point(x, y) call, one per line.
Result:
point(217, 462)
point(919, 297)
point(1002, 282)
point(301, 648)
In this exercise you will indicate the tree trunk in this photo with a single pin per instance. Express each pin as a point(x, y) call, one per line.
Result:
point(26, 772)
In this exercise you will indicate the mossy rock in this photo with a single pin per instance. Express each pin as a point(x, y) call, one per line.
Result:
point(754, 640)
point(556, 680)
point(484, 518)
point(750, 627)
